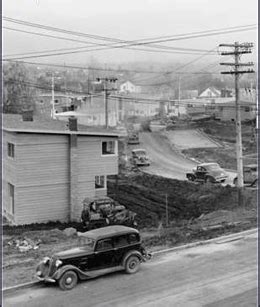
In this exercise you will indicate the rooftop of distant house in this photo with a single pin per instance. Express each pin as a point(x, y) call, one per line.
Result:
point(40, 124)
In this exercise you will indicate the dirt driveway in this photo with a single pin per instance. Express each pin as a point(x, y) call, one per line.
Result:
point(191, 138)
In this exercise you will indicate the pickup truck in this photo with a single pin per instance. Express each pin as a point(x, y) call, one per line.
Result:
point(207, 172)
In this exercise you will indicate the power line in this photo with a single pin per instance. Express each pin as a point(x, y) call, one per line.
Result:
point(93, 44)
point(50, 28)
point(130, 43)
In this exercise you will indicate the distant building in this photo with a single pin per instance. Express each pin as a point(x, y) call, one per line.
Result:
point(62, 102)
point(210, 92)
point(227, 112)
point(129, 87)
point(48, 170)
point(91, 111)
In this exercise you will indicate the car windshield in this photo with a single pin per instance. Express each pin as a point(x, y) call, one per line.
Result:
point(214, 167)
point(85, 242)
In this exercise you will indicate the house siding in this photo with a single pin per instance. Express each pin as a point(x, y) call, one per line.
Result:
point(42, 178)
point(42, 203)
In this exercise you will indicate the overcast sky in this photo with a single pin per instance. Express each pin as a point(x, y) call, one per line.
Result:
point(127, 20)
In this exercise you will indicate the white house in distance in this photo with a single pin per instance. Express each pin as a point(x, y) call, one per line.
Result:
point(129, 87)
point(210, 92)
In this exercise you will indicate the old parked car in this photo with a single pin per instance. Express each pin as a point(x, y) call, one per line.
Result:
point(207, 172)
point(250, 175)
point(140, 157)
point(105, 211)
point(99, 251)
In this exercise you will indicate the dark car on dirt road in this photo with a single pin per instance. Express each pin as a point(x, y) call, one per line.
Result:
point(100, 251)
point(207, 172)
point(250, 175)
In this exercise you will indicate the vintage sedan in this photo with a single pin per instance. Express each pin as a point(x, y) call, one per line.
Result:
point(140, 157)
point(208, 172)
point(100, 251)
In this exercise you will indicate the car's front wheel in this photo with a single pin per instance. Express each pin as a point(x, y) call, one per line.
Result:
point(68, 280)
point(132, 264)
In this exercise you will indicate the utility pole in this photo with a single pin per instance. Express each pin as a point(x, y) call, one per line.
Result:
point(106, 93)
point(238, 50)
point(166, 210)
point(179, 96)
point(52, 96)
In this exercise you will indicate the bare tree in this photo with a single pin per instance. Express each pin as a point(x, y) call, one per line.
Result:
point(19, 89)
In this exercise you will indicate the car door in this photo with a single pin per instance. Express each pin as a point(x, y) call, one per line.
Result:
point(200, 173)
point(104, 254)
point(121, 246)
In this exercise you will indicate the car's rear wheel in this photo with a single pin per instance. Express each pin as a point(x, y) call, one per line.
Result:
point(68, 280)
point(132, 264)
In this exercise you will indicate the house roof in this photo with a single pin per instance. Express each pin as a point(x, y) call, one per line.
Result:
point(40, 124)
point(213, 90)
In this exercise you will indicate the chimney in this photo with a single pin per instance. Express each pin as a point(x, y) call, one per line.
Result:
point(27, 115)
point(73, 124)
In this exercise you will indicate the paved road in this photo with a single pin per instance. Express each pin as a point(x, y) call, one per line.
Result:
point(217, 274)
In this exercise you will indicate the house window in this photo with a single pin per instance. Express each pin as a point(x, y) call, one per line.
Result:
point(100, 182)
point(10, 150)
point(109, 148)
point(11, 197)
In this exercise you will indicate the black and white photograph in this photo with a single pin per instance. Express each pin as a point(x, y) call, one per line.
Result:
point(129, 153)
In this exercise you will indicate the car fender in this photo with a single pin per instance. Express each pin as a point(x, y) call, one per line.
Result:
point(57, 275)
point(132, 253)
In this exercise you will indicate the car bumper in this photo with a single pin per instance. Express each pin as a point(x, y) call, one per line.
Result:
point(47, 279)
point(221, 179)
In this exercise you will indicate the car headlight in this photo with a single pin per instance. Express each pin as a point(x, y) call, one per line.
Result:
point(46, 260)
point(39, 273)
point(58, 263)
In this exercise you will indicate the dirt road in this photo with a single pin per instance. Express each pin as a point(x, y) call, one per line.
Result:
point(165, 161)
point(217, 274)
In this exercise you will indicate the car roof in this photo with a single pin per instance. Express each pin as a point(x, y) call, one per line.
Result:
point(250, 165)
point(207, 164)
point(107, 232)
point(139, 149)
point(98, 199)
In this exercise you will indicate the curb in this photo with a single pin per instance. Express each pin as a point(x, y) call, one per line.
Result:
point(222, 239)
point(218, 240)
point(31, 284)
